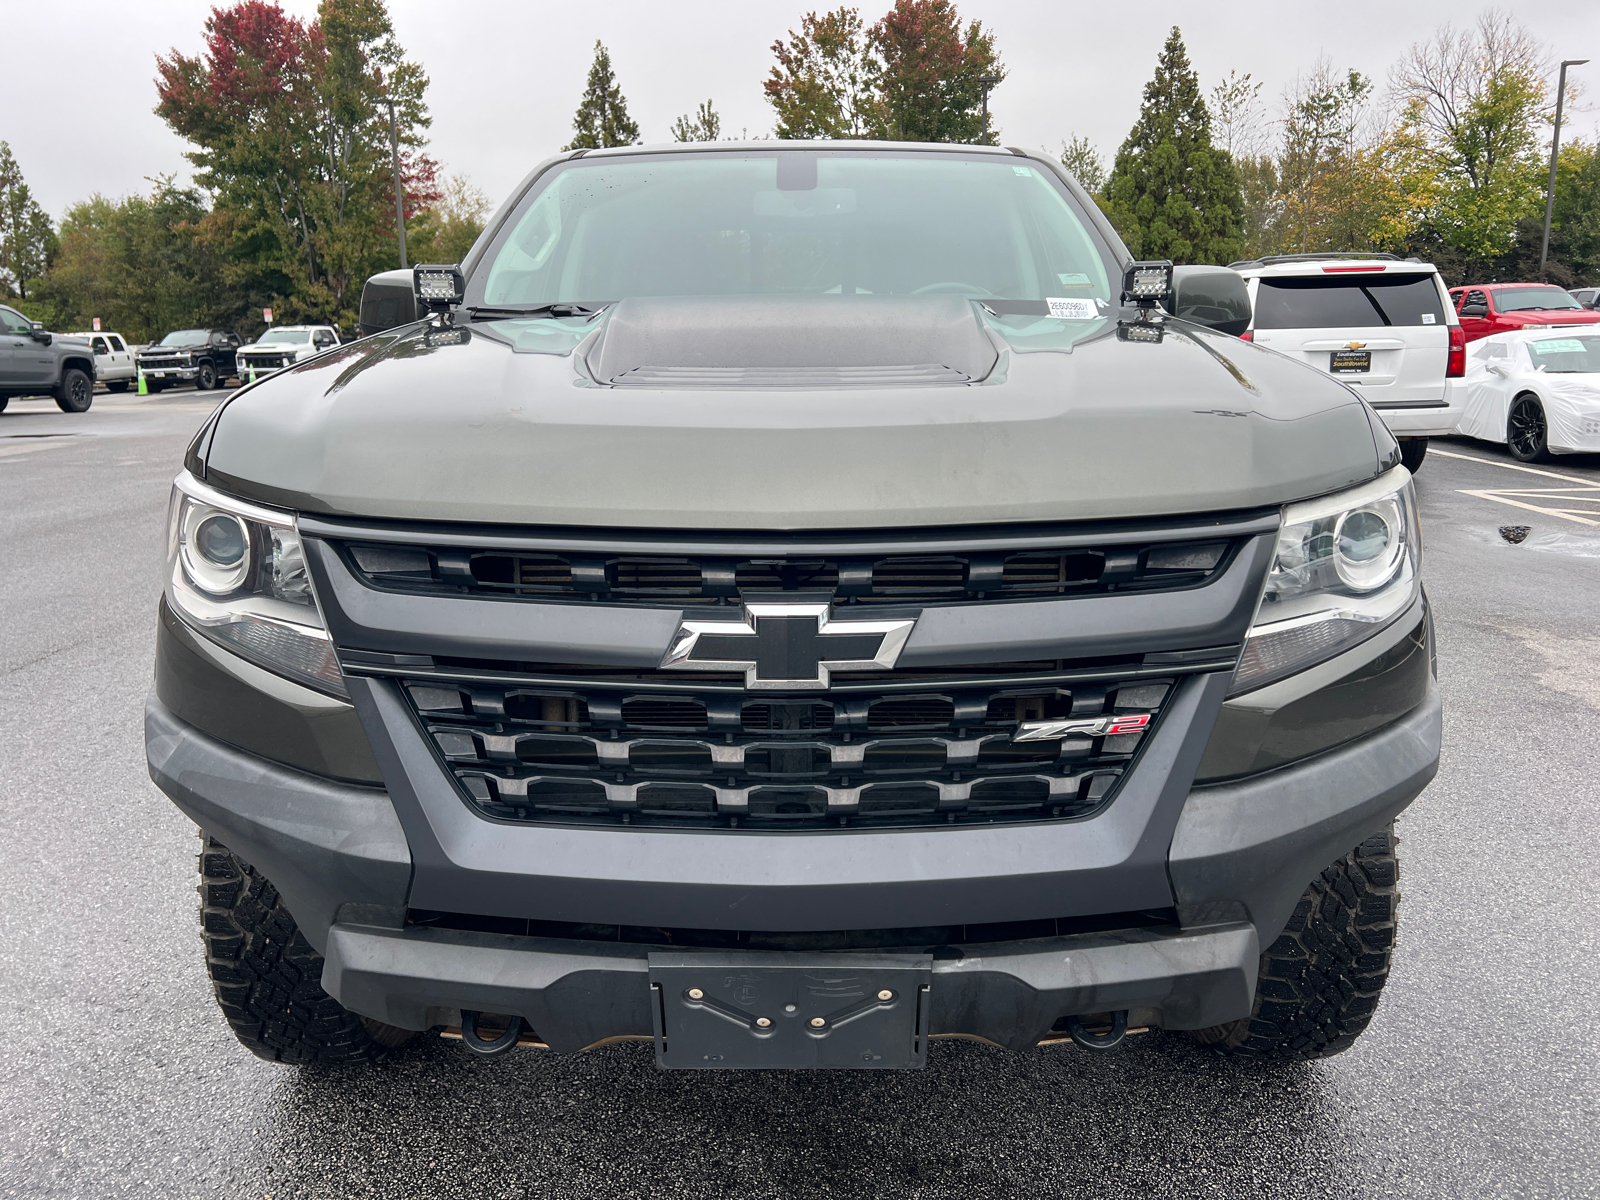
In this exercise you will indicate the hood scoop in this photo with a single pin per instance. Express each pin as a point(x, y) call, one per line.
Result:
point(813, 342)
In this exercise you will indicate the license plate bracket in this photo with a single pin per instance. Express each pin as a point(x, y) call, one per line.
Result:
point(776, 1010)
point(1350, 362)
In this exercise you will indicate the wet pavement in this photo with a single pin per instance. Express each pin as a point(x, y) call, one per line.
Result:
point(1480, 1075)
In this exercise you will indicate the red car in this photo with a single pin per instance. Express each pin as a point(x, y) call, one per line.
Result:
point(1499, 307)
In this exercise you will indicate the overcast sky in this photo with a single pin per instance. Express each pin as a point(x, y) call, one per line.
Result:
point(506, 76)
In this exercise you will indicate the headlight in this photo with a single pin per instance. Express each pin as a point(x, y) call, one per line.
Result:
point(236, 573)
point(1346, 566)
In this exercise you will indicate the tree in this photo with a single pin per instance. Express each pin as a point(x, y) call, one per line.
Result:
point(602, 117)
point(445, 232)
point(27, 241)
point(291, 129)
point(826, 82)
point(144, 264)
point(1171, 193)
point(704, 126)
point(931, 85)
point(1081, 158)
point(1480, 99)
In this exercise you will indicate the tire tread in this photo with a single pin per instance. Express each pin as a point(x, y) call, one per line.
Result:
point(267, 978)
point(1321, 980)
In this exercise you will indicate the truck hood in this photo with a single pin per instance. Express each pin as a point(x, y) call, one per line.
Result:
point(522, 423)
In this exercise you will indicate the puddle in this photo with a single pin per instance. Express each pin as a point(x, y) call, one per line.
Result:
point(1551, 541)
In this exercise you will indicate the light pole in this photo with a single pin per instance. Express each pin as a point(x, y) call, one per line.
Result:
point(399, 194)
point(1555, 145)
point(986, 82)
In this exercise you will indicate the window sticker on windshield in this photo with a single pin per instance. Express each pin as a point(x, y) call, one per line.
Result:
point(1070, 309)
point(1073, 279)
point(1427, 318)
point(1023, 171)
point(1559, 346)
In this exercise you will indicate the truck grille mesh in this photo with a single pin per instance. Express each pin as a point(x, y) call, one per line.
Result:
point(896, 579)
point(719, 759)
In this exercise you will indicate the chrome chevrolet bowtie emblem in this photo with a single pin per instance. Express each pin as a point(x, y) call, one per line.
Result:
point(787, 647)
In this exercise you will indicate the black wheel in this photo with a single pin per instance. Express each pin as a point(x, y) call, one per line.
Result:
point(75, 392)
point(1320, 981)
point(152, 386)
point(1412, 452)
point(1526, 432)
point(4, 400)
point(206, 378)
point(267, 978)
point(117, 385)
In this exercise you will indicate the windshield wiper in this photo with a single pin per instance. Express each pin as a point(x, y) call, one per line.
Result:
point(558, 309)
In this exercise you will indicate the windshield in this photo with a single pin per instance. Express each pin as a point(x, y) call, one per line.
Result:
point(1523, 299)
point(300, 336)
point(1343, 302)
point(1566, 356)
point(794, 222)
point(184, 337)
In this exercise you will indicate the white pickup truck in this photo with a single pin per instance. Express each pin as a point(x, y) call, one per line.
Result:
point(113, 360)
point(283, 346)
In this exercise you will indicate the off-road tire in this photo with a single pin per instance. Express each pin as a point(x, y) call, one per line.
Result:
point(153, 386)
point(75, 392)
point(1412, 452)
point(4, 400)
point(1527, 430)
point(267, 978)
point(205, 379)
point(1320, 981)
point(117, 385)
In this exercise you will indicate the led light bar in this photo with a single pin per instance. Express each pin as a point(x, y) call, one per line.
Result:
point(438, 286)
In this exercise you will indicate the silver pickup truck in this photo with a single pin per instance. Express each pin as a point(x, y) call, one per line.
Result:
point(788, 602)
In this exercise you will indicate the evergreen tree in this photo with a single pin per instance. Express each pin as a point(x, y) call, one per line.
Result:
point(602, 117)
point(1172, 194)
point(704, 126)
point(27, 241)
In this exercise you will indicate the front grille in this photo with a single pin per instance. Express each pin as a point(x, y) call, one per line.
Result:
point(261, 361)
point(713, 757)
point(892, 579)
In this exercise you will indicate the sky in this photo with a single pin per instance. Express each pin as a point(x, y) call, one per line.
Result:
point(506, 75)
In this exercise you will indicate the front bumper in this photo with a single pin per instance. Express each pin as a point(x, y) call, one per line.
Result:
point(186, 374)
point(1239, 858)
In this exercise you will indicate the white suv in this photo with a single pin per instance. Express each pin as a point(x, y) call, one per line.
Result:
point(283, 346)
point(1383, 325)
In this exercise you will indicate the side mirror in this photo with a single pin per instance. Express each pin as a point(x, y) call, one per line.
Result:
point(1475, 310)
point(1215, 297)
point(1499, 367)
point(388, 300)
point(38, 333)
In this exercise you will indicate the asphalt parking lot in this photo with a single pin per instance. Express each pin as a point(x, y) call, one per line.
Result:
point(1480, 1075)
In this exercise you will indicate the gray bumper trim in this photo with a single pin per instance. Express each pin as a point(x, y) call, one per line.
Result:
point(575, 994)
point(1259, 841)
point(321, 844)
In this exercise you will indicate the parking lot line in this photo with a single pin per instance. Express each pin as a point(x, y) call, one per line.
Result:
point(1489, 462)
point(1564, 514)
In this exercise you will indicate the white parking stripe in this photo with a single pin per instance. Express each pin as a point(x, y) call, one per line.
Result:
point(1489, 462)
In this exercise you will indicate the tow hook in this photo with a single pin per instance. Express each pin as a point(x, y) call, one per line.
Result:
point(1099, 1039)
point(507, 1040)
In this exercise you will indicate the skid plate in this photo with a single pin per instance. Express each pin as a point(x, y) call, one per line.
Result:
point(795, 1011)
